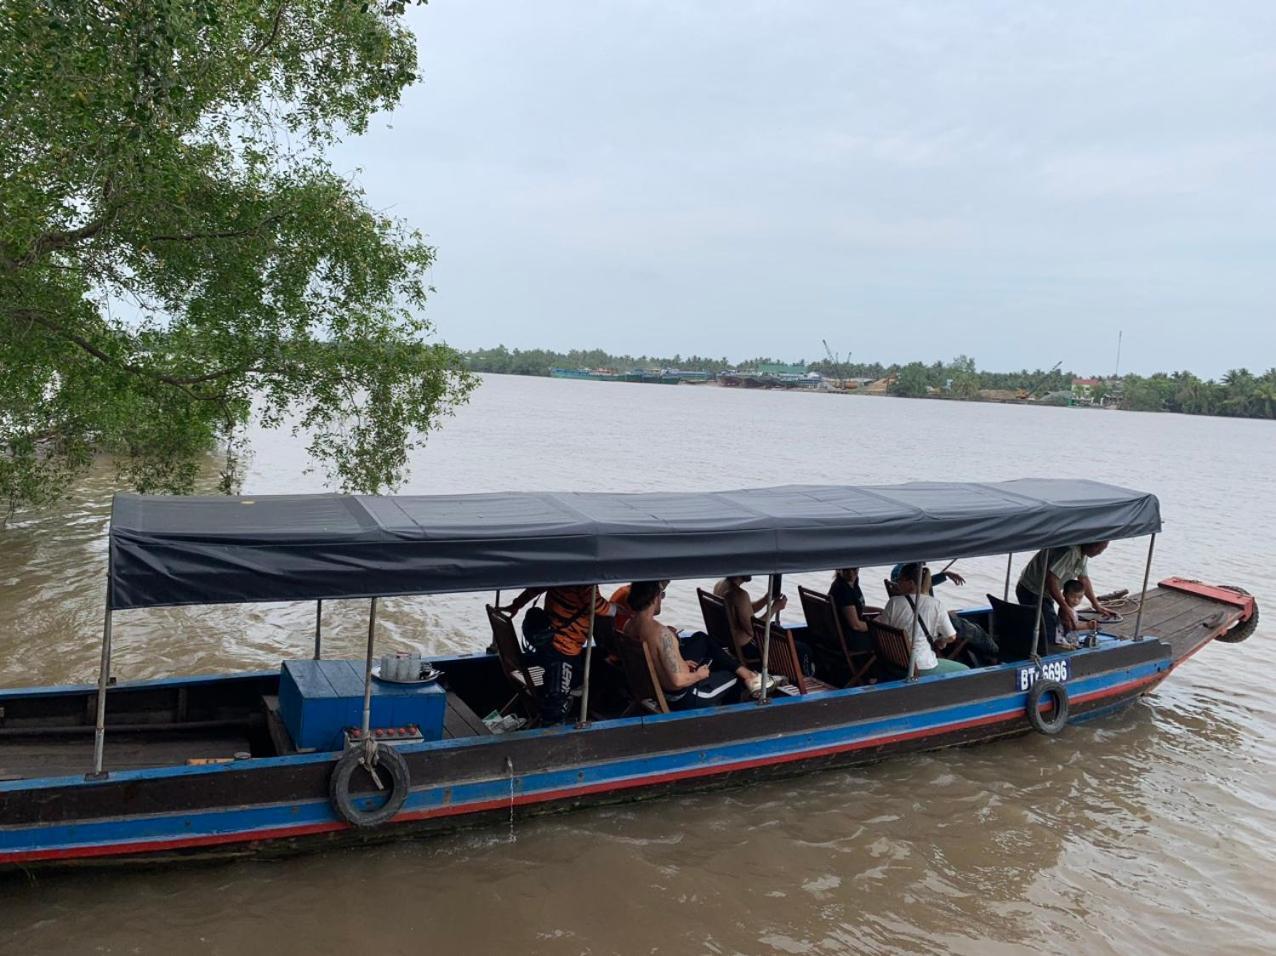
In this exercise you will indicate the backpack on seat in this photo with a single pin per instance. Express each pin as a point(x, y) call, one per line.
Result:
point(538, 629)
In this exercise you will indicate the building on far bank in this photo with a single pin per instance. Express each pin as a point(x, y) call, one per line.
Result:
point(1103, 392)
point(772, 375)
point(1083, 389)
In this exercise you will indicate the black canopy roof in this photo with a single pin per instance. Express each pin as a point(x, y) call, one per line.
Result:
point(211, 550)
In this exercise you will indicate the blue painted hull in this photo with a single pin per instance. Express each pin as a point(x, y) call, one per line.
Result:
point(281, 803)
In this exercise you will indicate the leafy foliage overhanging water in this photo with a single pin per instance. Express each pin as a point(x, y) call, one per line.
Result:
point(177, 255)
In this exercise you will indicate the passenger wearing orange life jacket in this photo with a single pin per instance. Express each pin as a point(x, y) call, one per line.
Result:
point(568, 610)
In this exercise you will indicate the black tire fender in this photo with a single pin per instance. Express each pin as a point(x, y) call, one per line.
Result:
point(1053, 722)
point(388, 762)
point(1241, 629)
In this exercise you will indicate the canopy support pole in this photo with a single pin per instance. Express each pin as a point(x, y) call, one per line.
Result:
point(1143, 596)
point(766, 640)
point(367, 676)
point(318, 629)
point(912, 635)
point(1005, 592)
point(103, 679)
point(1041, 600)
point(589, 651)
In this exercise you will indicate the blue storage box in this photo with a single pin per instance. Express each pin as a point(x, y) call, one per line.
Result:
point(320, 699)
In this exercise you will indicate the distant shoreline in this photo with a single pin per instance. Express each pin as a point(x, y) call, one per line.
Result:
point(1240, 393)
point(822, 391)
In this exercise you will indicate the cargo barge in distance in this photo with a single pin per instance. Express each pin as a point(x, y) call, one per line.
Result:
point(321, 751)
point(646, 376)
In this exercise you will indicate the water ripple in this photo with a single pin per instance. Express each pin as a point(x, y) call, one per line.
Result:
point(1152, 831)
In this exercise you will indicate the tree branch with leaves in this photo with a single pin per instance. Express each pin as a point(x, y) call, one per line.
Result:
point(177, 255)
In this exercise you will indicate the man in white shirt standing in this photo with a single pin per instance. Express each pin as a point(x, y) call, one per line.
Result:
point(932, 623)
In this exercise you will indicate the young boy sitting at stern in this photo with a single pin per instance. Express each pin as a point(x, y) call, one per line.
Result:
point(1073, 592)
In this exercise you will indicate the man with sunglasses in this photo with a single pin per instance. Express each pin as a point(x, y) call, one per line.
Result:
point(693, 670)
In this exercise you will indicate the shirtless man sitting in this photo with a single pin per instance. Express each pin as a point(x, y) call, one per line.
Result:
point(740, 611)
point(693, 671)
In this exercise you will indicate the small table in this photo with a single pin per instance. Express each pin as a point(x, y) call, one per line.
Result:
point(318, 700)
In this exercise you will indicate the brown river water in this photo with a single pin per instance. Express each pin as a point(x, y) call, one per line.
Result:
point(1152, 831)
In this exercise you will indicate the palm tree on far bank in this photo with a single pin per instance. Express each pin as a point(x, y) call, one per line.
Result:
point(1263, 401)
point(1239, 385)
point(1197, 398)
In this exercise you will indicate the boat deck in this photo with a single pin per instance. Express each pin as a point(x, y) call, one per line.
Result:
point(69, 751)
point(460, 721)
point(1177, 617)
point(56, 756)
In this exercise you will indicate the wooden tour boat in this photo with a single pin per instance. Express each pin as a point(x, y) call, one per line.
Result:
point(227, 765)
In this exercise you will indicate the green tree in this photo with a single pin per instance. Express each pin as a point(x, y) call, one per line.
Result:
point(966, 385)
point(1195, 397)
point(1263, 402)
point(177, 255)
point(1143, 394)
point(911, 381)
point(1238, 391)
point(964, 376)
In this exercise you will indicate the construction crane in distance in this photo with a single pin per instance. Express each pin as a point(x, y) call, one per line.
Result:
point(829, 352)
point(835, 366)
point(833, 358)
point(1026, 393)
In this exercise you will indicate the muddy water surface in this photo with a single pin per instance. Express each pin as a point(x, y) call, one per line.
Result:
point(1151, 831)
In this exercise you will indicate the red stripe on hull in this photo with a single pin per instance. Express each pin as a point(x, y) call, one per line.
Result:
point(543, 796)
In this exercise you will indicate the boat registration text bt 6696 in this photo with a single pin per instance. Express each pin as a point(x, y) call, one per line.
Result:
point(1049, 670)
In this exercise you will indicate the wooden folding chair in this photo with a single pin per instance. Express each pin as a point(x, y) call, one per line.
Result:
point(954, 650)
point(783, 659)
point(825, 629)
point(892, 646)
point(716, 622)
point(526, 680)
point(640, 675)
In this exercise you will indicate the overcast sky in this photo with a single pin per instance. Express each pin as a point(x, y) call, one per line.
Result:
point(1011, 180)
